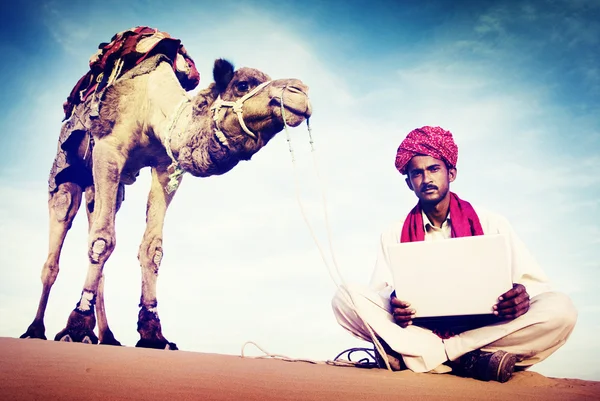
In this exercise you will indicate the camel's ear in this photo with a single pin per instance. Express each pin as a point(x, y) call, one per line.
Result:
point(222, 73)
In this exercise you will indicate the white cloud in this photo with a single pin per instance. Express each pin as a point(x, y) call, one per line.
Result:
point(66, 31)
point(490, 23)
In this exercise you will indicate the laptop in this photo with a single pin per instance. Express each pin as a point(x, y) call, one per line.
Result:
point(452, 277)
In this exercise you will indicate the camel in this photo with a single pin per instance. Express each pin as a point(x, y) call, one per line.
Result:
point(147, 119)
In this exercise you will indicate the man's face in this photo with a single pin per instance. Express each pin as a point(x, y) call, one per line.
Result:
point(429, 178)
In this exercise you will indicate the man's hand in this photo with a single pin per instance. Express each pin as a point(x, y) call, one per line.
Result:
point(512, 303)
point(403, 315)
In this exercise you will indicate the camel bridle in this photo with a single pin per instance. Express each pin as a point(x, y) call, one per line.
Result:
point(238, 109)
point(218, 105)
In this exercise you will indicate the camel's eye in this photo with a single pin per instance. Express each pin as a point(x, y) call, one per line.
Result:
point(242, 86)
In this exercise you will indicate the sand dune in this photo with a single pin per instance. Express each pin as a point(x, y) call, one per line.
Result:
point(43, 370)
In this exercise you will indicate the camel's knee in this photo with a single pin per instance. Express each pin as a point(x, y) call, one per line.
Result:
point(101, 248)
point(65, 201)
point(151, 254)
point(61, 203)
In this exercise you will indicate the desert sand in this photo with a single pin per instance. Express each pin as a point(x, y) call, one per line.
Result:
point(45, 370)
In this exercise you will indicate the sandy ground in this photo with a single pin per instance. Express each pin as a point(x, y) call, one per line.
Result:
point(43, 370)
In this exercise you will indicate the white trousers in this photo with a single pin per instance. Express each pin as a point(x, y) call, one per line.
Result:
point(532, 337)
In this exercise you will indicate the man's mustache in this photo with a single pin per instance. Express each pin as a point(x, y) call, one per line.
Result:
point(428, 187)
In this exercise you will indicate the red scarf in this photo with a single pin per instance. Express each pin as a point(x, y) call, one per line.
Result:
point(465, 222)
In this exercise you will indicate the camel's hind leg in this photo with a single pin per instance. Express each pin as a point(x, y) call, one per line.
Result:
point(63, 206)
point(150, 256)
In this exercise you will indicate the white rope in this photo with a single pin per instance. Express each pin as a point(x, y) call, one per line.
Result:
point(116, 71)
point(268, 355)
point(343, 286)
point(177, 171)
point(87, 146)
point(274, 356)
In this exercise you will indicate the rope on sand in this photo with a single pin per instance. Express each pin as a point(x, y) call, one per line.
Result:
point(268, 355)
point(362, 363)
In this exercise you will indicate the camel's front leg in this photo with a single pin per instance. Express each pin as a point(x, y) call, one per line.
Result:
point(107, 166)
point(150, 256)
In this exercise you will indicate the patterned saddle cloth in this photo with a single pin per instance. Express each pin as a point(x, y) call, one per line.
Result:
point(126, 50)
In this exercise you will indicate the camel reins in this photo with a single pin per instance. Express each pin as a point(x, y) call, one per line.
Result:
point(334, 269)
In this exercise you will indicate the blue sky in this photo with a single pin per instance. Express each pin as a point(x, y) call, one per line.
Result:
point(518, 83)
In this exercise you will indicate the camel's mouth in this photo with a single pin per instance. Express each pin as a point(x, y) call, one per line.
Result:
point(294, 117)
point(296, 104)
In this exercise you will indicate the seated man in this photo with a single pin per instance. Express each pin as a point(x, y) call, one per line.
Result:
point(531, 321)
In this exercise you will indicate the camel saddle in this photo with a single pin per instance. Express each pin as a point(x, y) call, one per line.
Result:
point(126, 50)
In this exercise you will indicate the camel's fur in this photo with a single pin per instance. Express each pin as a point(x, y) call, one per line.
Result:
point(130, 134)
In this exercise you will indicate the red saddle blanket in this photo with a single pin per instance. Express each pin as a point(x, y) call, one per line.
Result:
point(126, 50)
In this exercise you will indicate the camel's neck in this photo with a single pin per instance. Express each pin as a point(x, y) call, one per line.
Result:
point(193, 141)
point(185, 126)
point(176, 129)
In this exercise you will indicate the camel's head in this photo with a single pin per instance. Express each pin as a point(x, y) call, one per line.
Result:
point(248, 111)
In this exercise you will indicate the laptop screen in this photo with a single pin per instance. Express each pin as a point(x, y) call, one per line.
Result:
point(451, 277)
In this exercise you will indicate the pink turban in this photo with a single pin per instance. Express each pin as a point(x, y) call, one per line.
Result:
point(427, 141)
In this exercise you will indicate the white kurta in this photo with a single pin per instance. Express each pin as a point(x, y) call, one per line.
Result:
point(532, 337)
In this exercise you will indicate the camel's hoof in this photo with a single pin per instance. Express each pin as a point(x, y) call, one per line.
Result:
point(80, 329)
point(150, 331)
point(35, 330)
point(109, 339)
point(67, 339)
point(156, 344)
point(76, 336)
